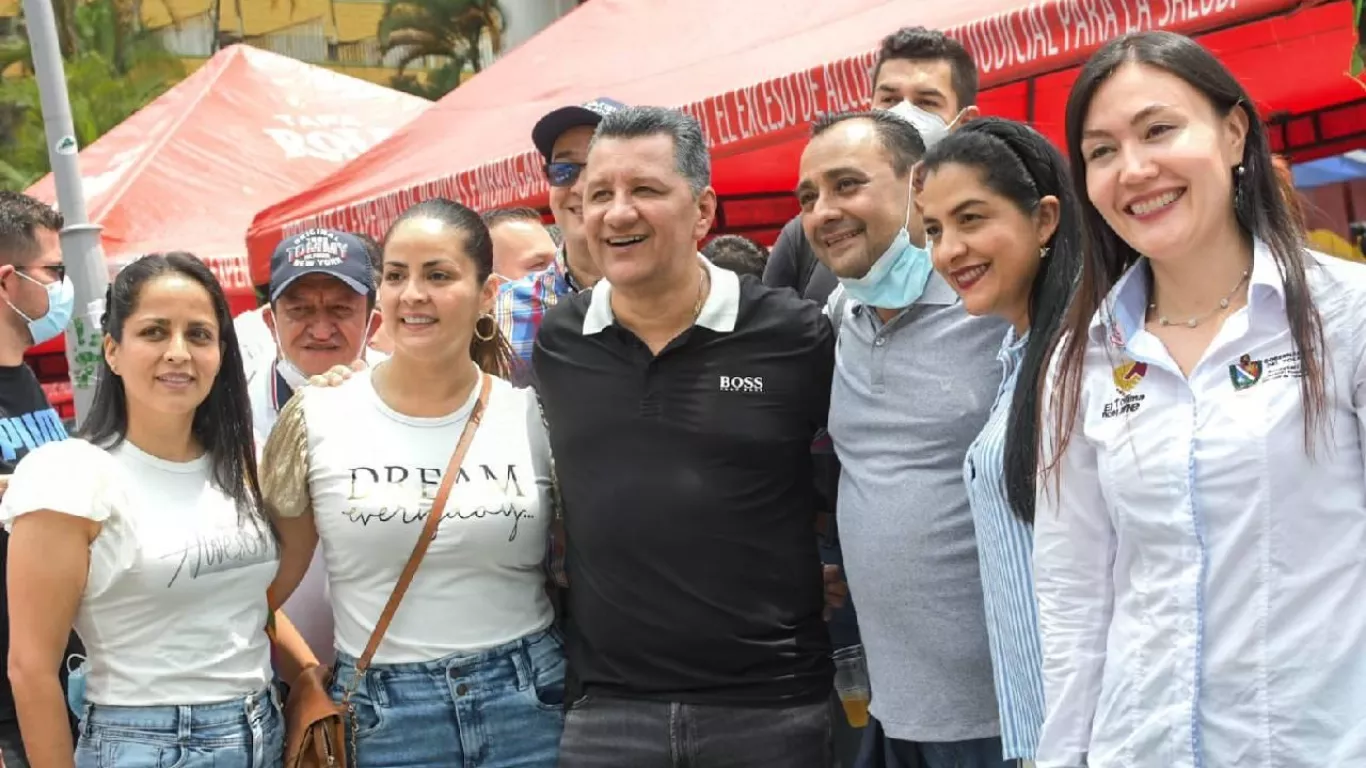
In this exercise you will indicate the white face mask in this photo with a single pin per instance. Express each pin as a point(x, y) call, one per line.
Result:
point(290, 372)
point(932, 127)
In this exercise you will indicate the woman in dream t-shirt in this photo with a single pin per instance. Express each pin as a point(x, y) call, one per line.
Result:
point(147, 533)
point(470, 672)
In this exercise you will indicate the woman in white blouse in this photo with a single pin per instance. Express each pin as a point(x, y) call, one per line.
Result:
point(147, 533)
point(1200, 552)
point(470, 672)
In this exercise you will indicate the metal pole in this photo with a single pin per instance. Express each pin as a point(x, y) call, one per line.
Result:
point(81, 251)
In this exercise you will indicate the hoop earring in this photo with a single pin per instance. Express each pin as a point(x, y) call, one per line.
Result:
point(492, 326)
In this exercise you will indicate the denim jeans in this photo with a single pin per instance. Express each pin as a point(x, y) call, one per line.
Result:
point(603, 732)
point(245, 733)
point(500, 708)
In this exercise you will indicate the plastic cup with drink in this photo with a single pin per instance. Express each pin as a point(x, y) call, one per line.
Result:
point(851, 683)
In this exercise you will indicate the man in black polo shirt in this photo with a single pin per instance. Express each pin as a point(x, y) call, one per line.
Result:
point(682, 401)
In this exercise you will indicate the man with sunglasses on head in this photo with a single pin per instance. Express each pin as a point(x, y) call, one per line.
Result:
point(562, 138)
point(36, 301)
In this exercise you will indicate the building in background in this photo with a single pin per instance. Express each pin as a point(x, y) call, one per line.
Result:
point(339, 34)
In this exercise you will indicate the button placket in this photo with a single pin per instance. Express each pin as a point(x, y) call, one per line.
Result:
point(879, 359)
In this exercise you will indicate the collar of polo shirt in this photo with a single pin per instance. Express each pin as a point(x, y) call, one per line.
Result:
point(718, 312)
point(937, 293)
point(1122, 313)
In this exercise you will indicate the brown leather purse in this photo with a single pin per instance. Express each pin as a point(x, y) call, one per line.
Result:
point(315, 726)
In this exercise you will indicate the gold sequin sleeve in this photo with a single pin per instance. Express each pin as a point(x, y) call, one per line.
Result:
point(284, 463)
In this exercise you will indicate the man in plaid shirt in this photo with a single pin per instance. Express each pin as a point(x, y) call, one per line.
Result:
point(562, 137)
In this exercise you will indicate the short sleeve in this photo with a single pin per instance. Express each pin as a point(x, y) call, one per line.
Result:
point(70, 476)
point(284, 462)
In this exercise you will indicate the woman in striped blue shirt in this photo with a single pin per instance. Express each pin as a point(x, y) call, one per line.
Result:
point(1001, 215)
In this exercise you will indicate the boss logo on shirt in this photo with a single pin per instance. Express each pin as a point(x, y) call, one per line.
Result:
point(742, 383)
point(1247, 372)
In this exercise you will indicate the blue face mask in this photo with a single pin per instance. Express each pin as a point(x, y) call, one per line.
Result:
point(61, 299)
point(75, 684)
point(897, 278)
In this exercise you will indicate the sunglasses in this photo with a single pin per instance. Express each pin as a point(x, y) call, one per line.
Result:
point(563, 174)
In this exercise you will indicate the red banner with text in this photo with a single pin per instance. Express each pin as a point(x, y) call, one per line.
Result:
point(1022, 42)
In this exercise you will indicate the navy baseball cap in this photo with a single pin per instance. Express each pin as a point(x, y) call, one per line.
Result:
point(554, 124)
point(324, 252)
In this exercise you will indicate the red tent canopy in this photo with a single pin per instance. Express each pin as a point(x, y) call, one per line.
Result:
point(794, 59)
point(248, 128)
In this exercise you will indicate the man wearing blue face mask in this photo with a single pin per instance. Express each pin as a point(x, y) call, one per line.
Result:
point(914, 382)
point(933, 79)
point(37, 304)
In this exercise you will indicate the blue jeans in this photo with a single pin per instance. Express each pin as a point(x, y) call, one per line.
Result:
point(244, 733)
point(500, 708)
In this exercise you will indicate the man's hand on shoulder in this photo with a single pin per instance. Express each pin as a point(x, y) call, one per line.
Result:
point(337, 374)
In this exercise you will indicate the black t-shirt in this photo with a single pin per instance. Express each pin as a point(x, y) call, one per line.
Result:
point(689, 505)
point(792, 264)
point(26, 422)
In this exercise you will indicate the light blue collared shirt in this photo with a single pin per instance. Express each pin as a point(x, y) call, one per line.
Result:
point(1005, 545)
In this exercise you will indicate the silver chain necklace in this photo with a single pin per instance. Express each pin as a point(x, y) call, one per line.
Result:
point(1194, 321)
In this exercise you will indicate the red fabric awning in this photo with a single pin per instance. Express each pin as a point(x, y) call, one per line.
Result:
point(247, 129)
point(755, 73)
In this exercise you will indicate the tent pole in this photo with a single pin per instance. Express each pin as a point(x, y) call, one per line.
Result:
point(81, 251)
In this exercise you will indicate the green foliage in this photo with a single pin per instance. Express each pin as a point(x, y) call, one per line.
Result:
point(1359, 49)
point(113, 72)
point(451, 30)
point(439, 82)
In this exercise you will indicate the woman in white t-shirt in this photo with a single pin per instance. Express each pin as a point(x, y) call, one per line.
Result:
point(146, 532)
point(470, 672)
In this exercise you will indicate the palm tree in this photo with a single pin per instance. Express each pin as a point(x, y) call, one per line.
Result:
point(483, 18)
point(446, 29)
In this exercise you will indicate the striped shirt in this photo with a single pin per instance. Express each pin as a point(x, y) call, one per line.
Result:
point(521, 306)
point(1005, 550)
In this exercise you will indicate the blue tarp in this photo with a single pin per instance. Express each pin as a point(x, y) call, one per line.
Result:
point(1330, 170)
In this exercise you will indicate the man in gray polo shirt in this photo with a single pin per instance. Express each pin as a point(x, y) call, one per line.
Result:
point(914, 382)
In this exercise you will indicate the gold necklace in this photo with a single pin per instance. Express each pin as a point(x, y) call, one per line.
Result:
point(701, 293)
point(1194, 321)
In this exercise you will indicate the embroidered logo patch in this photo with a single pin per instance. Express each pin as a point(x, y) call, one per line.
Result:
point(1128, 374)
point(1248, 372)
point(1245, 372)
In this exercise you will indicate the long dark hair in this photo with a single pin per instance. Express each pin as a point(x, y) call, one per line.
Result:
point(222, 423)
point(493, 355)
point(1259, 205)
point(1019, 164)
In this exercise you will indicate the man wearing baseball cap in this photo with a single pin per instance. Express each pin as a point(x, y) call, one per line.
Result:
point(322, 302)
point(562, 138)
point(321, 313)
